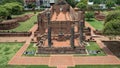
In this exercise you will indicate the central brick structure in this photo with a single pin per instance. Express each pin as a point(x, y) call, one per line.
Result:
point(59, 23)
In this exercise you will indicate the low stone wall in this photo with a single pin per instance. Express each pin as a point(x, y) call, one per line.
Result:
point(23, 18)
point(98, 32)
point(13, 23)
point(15, 34)
point(8, 24)
point(100, 17)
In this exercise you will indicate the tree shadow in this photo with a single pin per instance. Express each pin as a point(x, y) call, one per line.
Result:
point(113, 46)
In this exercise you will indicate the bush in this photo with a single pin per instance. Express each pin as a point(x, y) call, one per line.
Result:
point(113, 15)
point(112, 28)
point(14, 8)
point(117, 8)
point(89, 15)
point(3, 13)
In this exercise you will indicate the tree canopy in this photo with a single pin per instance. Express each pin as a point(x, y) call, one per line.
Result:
point(10, 1)
point(14, 8)
point(3, 13)
point(72, 2)
point(112, 23)
point(82, 5)
point(112, 16)
point(112, 27)
point(9, 9)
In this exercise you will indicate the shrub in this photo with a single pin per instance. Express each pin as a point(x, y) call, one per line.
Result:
point(3, 13)
point(89, 15)
point(14, 8)
point(112, 27)
point(113, 15)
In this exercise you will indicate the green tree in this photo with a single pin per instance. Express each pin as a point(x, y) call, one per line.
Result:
point(3, 13)
point(112, 27)
point(82, 5)
point(112, 16)
point(73, 3)
point(110, 3)
point(117, 2)
point(89, 15)
point(10, 1)
point(14, 8)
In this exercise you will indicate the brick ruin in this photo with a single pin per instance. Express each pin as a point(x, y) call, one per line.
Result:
point(61, 22)
point(14, 22)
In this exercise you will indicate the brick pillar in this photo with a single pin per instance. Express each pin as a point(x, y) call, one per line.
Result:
point(72, 37)
point(49, 30)
point(81, 31)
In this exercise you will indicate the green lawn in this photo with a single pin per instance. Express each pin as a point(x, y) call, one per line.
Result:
point(94, 47)
point(27, 25)
point(31, 48)
point(29, 12)
point(7, 51)
point(96, 66)
point(96, 24)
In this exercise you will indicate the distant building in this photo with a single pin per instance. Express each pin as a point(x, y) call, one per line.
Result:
point(102, 6)
point(45, 3)
point(39, 3)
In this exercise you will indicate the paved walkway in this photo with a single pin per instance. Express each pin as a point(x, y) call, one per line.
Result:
point(63, 61)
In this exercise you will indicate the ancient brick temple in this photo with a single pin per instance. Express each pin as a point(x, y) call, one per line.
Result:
point(60, 23)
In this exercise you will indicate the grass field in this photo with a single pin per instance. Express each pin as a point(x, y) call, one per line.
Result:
point(26, 26)
point(96, 24)
point(31, 48)
point(7, 51)
point(94, 46)
point(96, 66)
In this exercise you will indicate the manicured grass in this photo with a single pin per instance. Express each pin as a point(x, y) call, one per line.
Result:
point(96, 66)
point(31, 48)
point(96, 24)
point(7, 51)
point(93, 46)
point(30, 12)
point(27, 25)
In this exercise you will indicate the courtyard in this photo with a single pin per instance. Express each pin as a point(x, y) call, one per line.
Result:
point(61, 36)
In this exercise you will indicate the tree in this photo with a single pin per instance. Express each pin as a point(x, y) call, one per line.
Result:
point(72, 2)
point(3, 13)
point(112, 16)
point(82, 5)
point(110, 3)
point(117, 2)
point(112, 27)
point(89, 15)
point(10, 1)
point(14, 8)
point(112, 23)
